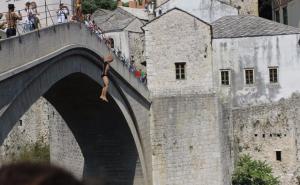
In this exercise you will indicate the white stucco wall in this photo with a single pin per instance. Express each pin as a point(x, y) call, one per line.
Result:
point(294, 13)
point(259, 53)
point(120, 41)
point(207, 11)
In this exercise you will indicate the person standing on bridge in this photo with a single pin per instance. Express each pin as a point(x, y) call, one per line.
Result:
point(62, 13)
point(107, 60)
point(78, 11)
point(29, 22)
point(11, 19)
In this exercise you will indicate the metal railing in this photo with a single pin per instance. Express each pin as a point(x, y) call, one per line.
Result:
point(49, 15)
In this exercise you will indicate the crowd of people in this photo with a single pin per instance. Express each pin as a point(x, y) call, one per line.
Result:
point(128, 62)
point(30, 18)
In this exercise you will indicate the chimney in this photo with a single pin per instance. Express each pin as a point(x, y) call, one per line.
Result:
point(119, 3)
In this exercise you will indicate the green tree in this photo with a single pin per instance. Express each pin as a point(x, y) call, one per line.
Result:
point(89, 6)
point(253, 172)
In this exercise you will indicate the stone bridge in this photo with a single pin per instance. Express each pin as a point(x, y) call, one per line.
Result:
point(63, 64)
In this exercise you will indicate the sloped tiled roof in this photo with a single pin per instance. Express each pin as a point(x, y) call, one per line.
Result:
point(116, 20)
point(249, 26)
point(100, 12)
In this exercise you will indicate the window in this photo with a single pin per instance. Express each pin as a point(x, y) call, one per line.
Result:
point(273, 74)
point(225, 77)
point(285, 15)
point(278, 155)
point(277, 16)
point(180, 71)
point(20, 122)
point(112, 42)
point(249, 76)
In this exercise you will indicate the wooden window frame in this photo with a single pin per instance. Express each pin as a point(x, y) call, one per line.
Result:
point(246, 75)
point(180, 71)
point(224, 81)
point(273, 75)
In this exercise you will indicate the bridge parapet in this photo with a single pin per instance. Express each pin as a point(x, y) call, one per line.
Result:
point(18, 54)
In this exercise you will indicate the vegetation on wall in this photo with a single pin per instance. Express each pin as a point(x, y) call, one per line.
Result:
point(253, 172)
point(89, 6)
point(36, 152)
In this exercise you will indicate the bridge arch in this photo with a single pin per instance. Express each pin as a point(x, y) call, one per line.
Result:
point(78, 69)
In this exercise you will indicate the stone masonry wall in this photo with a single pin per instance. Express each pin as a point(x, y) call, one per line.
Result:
point(186, 40)
point(136, 48)
point(64, 149)
point(246, 7)
point(31, 128)
point(43, 123)
point(262, 130)
point(187, 142)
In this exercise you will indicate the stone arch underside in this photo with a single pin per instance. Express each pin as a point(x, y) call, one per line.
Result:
point(72, 84)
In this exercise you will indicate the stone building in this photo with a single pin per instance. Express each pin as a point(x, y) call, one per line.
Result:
point(236, 68)
point(286, 12)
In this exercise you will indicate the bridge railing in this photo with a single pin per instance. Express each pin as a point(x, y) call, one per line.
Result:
point(49, 17)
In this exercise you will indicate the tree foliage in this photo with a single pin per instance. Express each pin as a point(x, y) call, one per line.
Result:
point(253, 172)
point(89, 6)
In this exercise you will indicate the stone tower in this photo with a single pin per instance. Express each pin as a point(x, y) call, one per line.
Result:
point(188, 146)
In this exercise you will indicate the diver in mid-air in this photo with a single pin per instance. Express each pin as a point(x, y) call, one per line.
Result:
point(107, 60)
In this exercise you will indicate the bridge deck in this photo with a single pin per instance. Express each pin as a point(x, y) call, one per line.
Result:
point(18, 54)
